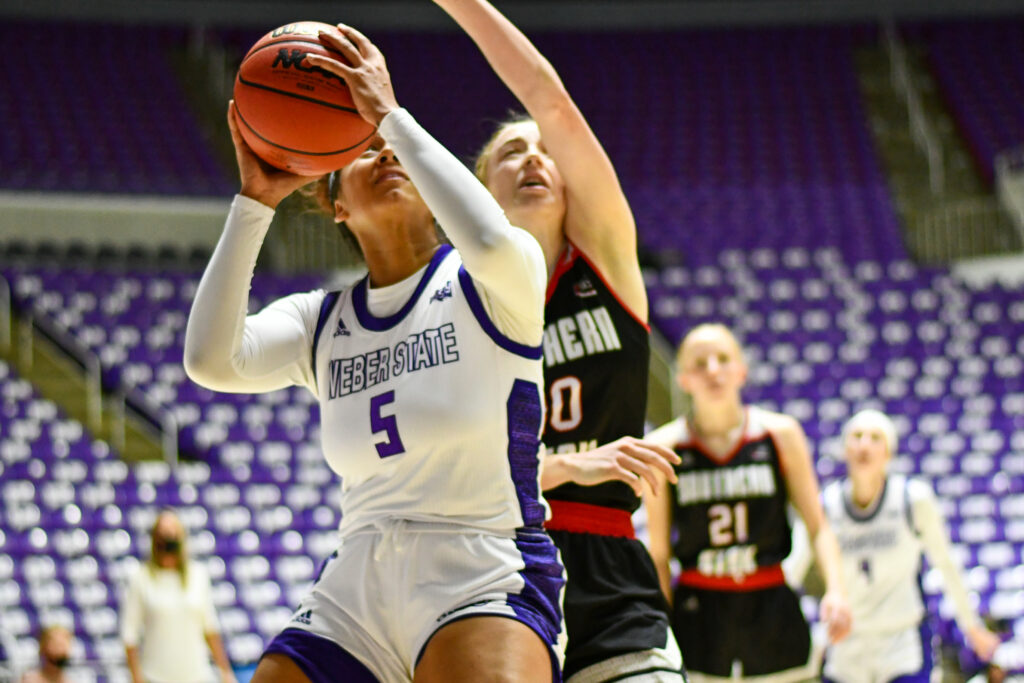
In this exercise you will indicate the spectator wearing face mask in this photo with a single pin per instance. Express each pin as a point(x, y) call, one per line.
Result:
point(168, 621)
point(54, 653)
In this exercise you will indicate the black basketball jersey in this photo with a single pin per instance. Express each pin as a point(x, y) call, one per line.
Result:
point(730, 514)
point(596, 357)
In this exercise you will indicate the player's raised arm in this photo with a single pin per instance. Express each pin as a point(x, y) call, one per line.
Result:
point(225, 350)
point(505, 260)
point(598, 218)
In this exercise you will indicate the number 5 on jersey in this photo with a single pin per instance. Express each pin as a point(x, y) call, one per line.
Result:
point(392, 445)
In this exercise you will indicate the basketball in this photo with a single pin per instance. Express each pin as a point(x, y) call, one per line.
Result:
point(296, 117)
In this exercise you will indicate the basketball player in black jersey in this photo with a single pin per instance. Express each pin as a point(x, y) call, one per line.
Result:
point(740, 466)
point(552, 177)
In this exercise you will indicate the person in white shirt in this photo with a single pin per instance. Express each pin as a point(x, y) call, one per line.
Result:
point(168, 620)
point(883, 523)
point(428, 375)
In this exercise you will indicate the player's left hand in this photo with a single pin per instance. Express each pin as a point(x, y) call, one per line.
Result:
point(834, 612)
point(366, 73)
point(983, 642)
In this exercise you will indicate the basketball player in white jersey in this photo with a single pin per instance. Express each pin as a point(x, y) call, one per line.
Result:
point(883, 522)
point(428, 376)
point(553, 178)
point(740, 468)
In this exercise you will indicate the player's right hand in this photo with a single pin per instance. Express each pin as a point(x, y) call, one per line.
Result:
point(629, 460)
point(983, 642)
point(260, 181)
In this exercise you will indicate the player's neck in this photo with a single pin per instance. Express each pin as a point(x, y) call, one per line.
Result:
point(546, 228)
point(718, 425)
point(866, 490)
point(392, 263)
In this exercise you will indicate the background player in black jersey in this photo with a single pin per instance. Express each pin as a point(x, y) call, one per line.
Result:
point(552, 177)
point(740, 467)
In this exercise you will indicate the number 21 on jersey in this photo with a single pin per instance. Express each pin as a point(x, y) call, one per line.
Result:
point(727, 524)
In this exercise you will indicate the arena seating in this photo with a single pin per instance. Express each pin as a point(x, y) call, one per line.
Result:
point(744, 152)
point(825, 337)
point(101, 109)
point(979, 67)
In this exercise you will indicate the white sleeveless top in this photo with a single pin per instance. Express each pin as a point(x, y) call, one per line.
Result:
point(881, 554)
point(430, 414)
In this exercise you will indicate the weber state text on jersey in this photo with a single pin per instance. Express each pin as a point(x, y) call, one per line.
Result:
point(596, 358)
point(731, 512)
point(429, 414)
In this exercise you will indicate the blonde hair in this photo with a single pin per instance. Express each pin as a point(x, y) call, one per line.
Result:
point(873, 419)
point(708, 327)
point(484, 155)
point(181, 553)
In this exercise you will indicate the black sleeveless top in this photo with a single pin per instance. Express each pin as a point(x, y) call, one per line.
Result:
point(731, 513)
point(596, 357)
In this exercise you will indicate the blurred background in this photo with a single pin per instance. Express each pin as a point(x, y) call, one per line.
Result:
point(839, 181)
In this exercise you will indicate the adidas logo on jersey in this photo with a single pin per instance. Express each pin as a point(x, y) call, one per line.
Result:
point(443, 293)
point(341, 330)
point(304, 618)
point(760, 454)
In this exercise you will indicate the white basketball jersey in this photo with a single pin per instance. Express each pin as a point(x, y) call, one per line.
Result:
point(881, 555)
point(430, 414)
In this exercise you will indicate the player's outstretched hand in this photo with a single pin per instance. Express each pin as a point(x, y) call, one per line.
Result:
point(983, 642)
point(834, 612)
point(366, 73)
point(260, 181)
point(628, 460)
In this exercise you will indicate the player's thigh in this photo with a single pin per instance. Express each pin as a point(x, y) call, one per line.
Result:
point(277, 668)
point(491, 647)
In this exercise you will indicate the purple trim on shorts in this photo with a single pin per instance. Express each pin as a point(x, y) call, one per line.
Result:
point(539, 604)
point(375, 324)
point(480, 313)
point(524, 414)
point(924, 675)
point(322, 660)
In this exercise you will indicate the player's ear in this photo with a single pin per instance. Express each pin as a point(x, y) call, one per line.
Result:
point(341, 214)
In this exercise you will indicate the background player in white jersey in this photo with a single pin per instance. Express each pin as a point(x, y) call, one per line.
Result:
point(740, 468)
point(553, 178)
point(883, 523)
point(428, 376)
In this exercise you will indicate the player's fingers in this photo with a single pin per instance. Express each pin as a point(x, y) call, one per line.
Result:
point(622, 474)
point(640, 469)
point(653, 458)
point(333, 66)
point(341, 43)
point(364, 44)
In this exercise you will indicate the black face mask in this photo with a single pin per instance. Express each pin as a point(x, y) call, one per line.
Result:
point(60, 661)
point(170, 545)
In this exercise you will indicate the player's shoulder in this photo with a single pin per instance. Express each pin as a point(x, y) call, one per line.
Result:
point(670, 434)
point(779, 425)
point(917, 489)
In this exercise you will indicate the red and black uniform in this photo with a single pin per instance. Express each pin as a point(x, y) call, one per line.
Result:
point(731, 600)
point(596, 356)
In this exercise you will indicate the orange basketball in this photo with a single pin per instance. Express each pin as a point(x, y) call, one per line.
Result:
point(294, 116)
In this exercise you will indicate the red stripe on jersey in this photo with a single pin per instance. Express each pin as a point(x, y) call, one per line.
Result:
point(611, 290)
point(583, 518)
point(764, 577)
point(565, 262)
